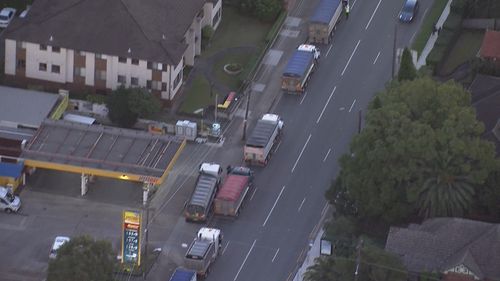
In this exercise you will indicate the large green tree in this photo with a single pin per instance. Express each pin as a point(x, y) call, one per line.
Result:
point(417, 132)
point(83, 259)
point(407, 70)
point(125, 105)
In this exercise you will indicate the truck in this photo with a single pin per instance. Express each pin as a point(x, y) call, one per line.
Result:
point(299, 69)
point(229, 198)
point(324, 20)
point(199, 206)
point(257, 149)
point(182, 274)
point(203, 251)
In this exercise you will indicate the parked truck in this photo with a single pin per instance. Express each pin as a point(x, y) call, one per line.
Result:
point(199, 206)
point(324, 20)
point(203, 250)
point(182, 274)
point(264, 136)
point(235, 188)
point(299, 69)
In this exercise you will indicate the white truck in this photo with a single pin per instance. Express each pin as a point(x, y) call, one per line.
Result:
point(322, 23)
point(203, 251)
point(299, 69)
point(264, 136)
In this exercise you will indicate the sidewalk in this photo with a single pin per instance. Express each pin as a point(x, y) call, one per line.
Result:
point(432, 39)
point(312, 254)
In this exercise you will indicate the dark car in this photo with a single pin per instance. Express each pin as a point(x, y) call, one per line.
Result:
point(409, 11)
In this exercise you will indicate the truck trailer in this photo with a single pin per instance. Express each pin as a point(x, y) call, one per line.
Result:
point(324, 20)
point(299, 69)
point(199, 205)
point(257, 149)
point(203, 250)
point(236, 186)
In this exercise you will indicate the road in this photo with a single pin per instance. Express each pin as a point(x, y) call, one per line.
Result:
point(268, 238)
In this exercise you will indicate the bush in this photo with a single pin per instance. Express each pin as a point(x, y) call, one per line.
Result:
point(436, 55)
point(458, 7)
point(207, 32)
point(445, 38)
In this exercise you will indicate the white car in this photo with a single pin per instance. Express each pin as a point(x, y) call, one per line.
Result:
point(6, 16)
point(58, 242)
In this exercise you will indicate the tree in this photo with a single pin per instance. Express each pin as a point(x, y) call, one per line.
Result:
point(419, 130)
point(267, 10)
point(125, 105)
point(83, 259)
point(407, 70)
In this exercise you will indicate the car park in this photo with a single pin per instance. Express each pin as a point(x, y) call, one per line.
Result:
point(409, 11)
point(58, 242)
point(6, 16)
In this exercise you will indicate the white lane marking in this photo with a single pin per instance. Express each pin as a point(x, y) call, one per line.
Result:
point(302, 151)
point(376, 58)
point(254, 191)
point(275, 202)
point(278, 146)
point(303, 98)
point(328, 153)
point(324, 107)
point(347, 64)
point(244, 261)
point(324, 209)
point(276, 254)
point(224, 250)
point(300, 207)
point(413, 36)
point(353, 3)
point(329, 49)
point(352, 105)
point(376, 8)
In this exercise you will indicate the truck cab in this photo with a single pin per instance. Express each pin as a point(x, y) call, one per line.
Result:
point(274, 118)
point(211, 169)
point(310, 48)
point(8, 201)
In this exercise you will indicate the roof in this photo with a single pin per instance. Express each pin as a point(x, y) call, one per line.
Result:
point(325, 11)
point(153, 30)
point(11, 170)
point(203, 191)
point(441, 243)
point(490, 47)
point(232, 187)
point(181, 274)
point(25, 107)
point(198, 249)
point(16, 133)
point(103, 148)
point(298, 63)
point(261, 133)
point(79, 118)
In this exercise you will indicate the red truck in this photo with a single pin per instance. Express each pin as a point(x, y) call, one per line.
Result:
point(235, 188)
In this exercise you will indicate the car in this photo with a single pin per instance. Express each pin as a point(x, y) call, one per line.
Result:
point(8, 201)
point(409, 11)
point(6, 16)
point(58, 242)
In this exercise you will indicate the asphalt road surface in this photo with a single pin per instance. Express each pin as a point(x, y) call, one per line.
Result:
point(265, 243)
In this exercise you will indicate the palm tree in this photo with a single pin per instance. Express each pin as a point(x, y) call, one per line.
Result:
point(445, 195)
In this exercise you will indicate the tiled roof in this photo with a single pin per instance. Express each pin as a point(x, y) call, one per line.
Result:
point(491, 44)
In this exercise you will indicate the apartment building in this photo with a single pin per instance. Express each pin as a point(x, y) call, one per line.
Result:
point(97, 45)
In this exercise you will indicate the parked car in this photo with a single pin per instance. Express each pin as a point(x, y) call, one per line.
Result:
point(8, 201)
point(409, 11)
point(6, 16)
point(58, 242)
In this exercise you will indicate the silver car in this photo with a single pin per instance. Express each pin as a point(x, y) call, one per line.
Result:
point(6, 16)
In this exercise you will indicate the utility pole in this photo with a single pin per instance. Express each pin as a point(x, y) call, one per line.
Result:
point(358, 258)
point(394, 50)
point(216, 102)
point(359, 121)
point(246, 114)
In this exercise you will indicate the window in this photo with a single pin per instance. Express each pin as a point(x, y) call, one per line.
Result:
point(122, 59)
point(100, 56)
point(177, 79)
point(42, 67)
point(80, 53)
point(163, 87)
point(56, 49)
point(56, 68)
point(134, 81)
point(43, 47)
point(100, 74)
point(148, 84)
point(20, 45)
point(135, 61)
point(21, 63)
point(122, 79)
point(155, 65)
point(80, 71)
point(153, 85)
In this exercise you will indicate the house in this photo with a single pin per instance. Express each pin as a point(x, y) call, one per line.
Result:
point(96, 46)
point(490, 48)
point(460, 249)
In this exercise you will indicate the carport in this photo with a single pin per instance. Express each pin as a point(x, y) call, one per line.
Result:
point(93, 150)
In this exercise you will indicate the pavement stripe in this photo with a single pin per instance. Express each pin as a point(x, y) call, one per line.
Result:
point(326, 104)
point(244, 261)
point(347, 64)
point(376, 8)
point(300, 155)
point(275, 202)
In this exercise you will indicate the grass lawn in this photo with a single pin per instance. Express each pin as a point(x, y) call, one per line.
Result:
point(429, 21)
point(466, 48)
point(237, 30)
point(197, 96)
point(232, 81)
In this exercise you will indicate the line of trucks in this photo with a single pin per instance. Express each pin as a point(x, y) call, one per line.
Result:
point(304, 60)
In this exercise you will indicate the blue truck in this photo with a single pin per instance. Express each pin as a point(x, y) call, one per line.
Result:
point(299, 69)
point(322, 23)
point(181, 274)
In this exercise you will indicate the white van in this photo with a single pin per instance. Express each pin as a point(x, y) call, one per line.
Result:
point(8, 201)
point(58, 242)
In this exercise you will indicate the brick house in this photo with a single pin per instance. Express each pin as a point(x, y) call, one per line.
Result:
point(96, 45)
